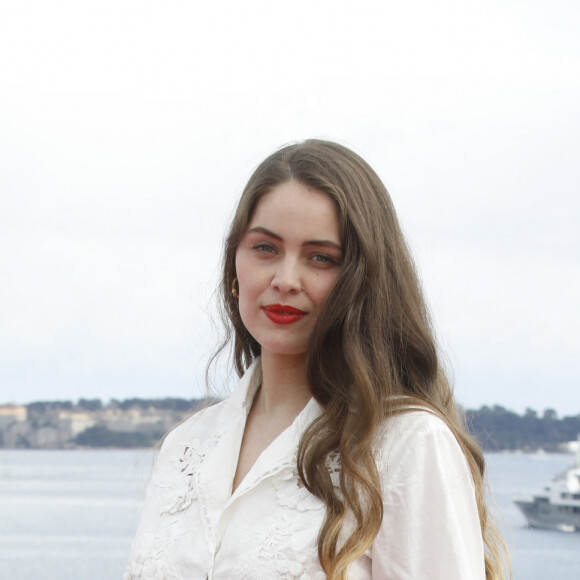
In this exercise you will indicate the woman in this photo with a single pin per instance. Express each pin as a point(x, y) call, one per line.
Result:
point(341, 454)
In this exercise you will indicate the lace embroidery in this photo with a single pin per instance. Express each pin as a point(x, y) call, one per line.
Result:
point(290, 548)
point(333, 464)
point(149, 564)
point(292, 494)
point(287, 550)
point(185, 487)
point(179, 482)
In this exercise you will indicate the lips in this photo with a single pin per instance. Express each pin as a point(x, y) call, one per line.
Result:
point(283, 314)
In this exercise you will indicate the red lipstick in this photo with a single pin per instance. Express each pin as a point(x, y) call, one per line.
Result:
point(283, 314)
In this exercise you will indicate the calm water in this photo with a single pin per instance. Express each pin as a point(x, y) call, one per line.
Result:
point(71, 515)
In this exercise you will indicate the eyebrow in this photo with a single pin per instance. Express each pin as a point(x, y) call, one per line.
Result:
point(267, 232)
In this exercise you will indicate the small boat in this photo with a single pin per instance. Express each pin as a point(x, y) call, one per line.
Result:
point(557, 506)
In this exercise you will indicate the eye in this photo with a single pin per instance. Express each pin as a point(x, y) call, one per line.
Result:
point(264, 248)
point(323, 259)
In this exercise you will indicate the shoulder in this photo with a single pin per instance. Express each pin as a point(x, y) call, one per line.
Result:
point(201, 424)
point(408, 425)
point(416, 421)
point(417, 440)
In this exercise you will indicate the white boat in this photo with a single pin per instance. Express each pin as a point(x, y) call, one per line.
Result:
point(557, 505)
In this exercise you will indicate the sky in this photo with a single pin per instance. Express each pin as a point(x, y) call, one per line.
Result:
point(128, 129)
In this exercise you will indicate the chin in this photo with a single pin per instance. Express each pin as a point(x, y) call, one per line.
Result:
point(284, 350)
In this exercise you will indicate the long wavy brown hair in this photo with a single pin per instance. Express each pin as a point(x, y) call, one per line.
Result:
point(373, 342)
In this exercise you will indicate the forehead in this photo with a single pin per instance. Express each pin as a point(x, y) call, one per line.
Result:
point(293, 206)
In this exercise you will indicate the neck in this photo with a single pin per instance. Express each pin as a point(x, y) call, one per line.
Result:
point(285, 389)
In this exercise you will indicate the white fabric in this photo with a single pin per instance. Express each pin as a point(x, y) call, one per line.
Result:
point(193, 528)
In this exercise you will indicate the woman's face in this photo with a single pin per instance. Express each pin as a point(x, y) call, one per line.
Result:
point(286, 263)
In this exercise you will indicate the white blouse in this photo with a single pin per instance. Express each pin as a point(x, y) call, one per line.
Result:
point(193, 527)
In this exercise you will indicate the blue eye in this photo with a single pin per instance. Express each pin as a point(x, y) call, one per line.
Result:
point(323, 259)
point(265, 248)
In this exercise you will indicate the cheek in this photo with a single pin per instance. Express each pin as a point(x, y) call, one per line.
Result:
point(249, 279)
point(242, 270)
point(322, 289)
point(249, 287)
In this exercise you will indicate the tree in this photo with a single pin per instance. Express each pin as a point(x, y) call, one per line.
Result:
point(100, 436)
point(90, 404)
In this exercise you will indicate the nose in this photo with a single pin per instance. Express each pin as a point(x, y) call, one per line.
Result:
point(287, 278)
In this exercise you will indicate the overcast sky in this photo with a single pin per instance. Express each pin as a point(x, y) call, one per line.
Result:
point(129, 127)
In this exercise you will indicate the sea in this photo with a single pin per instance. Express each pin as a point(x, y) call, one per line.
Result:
point(72, 514)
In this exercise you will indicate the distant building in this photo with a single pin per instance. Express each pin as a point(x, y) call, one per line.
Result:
point(54, 425)
point(13, 424)
point(136, 419)
point(71, 423)
point(10, 414)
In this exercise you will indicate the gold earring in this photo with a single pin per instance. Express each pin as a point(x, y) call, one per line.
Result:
point(234, 291)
